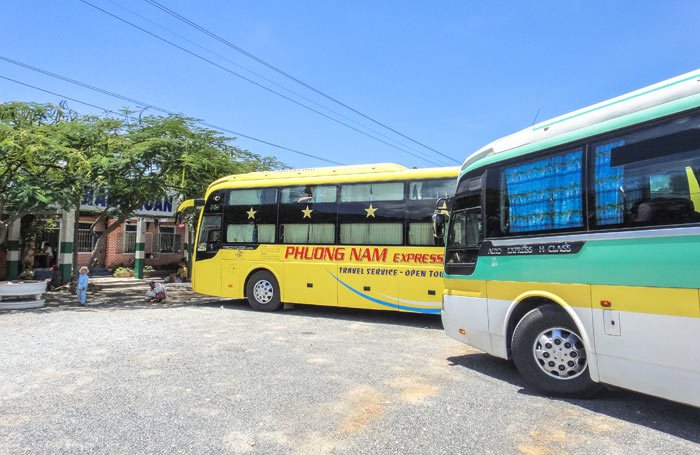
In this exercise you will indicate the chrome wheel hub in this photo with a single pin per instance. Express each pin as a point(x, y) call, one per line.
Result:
point(263, 291)
point(559, 352)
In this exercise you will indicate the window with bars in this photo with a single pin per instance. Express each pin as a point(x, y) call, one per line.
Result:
point(130, 238)
point(169, 241)
point(85, 238)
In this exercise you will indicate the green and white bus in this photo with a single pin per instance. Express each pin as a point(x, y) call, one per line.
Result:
point(573, 247)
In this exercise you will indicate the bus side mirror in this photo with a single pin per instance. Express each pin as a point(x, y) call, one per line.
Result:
point(196, 203)
point(440, 217)
point(213, 242)
point(439, 224)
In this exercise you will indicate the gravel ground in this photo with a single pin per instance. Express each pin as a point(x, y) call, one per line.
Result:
point(200, 375)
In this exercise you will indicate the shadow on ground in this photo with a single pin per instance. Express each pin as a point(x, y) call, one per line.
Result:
point(129, 294)
point(426, 321)
point(662, 415)
point(120, 295)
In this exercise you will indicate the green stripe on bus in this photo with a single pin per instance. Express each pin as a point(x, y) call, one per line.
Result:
point(669, 262)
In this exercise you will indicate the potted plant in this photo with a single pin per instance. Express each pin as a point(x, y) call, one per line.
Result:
point(123, 272)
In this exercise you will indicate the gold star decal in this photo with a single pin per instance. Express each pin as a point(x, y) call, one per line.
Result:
point(251, 213)
point(370, 211)
point(307, 212)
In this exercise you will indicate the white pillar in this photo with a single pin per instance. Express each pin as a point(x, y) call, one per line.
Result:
point(65, 245)
point(139, 253)
point(13, 250)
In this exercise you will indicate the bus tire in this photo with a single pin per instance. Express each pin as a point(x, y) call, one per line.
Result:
point(549, 354)
point(263, 292)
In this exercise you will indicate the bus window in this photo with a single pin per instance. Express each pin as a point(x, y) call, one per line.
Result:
point(421, 234)
point(647, 182)
point(543, 194)
point(308, 194)
point(367, 192)
point(371, 233)
point(464, 231)
point(322, 233)
point(209, 233)
point(250, 233)
point(256, 196)
point(463, 236)
point(466, 228)
point(431, 189)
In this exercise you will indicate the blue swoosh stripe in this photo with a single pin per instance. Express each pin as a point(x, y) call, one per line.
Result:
point(383, 303)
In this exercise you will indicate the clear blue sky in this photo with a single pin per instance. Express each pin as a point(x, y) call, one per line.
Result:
point(453, 75)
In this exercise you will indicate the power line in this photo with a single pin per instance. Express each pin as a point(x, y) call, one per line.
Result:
point(64, 96)
point(266, 79)
point(143, 104)
point(280, 71)
point(228, 70)
point(156, 108)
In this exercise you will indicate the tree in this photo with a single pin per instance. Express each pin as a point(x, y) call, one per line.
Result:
point(155, 156)
point(38, 170)
point(90, 138)
point(51, 157)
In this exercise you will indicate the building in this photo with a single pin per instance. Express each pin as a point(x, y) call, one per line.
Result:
point(163, 241)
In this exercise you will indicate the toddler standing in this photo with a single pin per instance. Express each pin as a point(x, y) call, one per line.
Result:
point(82, 285)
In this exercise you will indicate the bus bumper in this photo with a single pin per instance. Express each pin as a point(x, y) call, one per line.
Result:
point(466, 319)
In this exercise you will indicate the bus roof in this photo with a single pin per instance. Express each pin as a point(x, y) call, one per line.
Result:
point(313, 172)
point(664, 98)
point(337, 174)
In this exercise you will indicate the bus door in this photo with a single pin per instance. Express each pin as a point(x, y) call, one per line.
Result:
point(465, 300)
point(206, 266)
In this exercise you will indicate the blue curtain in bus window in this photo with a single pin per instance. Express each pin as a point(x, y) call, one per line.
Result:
point(609, 206)
point(545, 194)
point(614, 191)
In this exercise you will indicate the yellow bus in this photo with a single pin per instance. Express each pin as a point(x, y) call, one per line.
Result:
point(350, 236)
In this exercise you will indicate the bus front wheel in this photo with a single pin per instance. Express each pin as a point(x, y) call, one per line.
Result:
point(263, 292)
point(550, 355)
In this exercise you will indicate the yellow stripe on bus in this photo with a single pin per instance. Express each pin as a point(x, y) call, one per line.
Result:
point(635, 299)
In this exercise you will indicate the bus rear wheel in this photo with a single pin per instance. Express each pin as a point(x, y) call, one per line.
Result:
point(263, 292)
point(550, 355)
